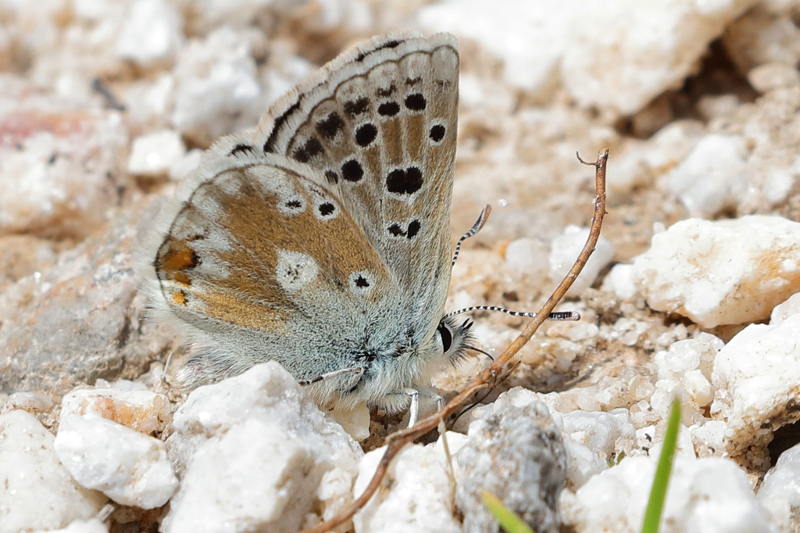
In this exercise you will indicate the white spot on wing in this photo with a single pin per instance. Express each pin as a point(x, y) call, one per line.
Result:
point(361, 282)
point(295, 270)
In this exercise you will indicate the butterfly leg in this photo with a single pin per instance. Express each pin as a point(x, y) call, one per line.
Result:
point(476, 227)
point(355, 370)
point(413, 409)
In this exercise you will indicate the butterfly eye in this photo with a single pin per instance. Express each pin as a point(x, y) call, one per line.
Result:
point(447, 337)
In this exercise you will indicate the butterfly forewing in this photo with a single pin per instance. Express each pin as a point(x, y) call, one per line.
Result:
point(380, 123)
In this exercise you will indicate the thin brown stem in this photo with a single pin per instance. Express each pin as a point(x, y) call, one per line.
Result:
point(499, 368)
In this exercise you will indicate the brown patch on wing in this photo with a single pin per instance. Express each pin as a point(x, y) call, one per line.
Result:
point(235, 281)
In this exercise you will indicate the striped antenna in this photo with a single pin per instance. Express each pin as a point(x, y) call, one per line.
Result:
point(476, 227)
point(557, 315)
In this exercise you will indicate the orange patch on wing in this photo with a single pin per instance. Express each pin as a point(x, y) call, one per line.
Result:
point(178, 256)
point(179, 298)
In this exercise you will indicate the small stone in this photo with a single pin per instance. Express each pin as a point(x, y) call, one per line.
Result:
point(94, 525)
point(756, 378)
point(256, 452)
point(127, 466)
point(419, 495)
point(151, 35)
point(517, 454)
point(779, 493)
point(710, 495)
point(565, 249)
point(217, 89)
point(712, 177)
point(30, 401)
point(527, 256)
point(36, 491)
point(706, 271)
point(640, 53)
point(773, 76)
point(354, 421)
point(140, 410)
point(621, 281)
point(156, 153)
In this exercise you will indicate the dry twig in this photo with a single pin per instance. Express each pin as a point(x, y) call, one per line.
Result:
point(501, 367)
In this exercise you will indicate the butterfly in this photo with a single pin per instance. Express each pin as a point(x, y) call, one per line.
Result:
point(321, 238)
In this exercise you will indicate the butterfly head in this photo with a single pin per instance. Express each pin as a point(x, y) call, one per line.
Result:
point(453, 338)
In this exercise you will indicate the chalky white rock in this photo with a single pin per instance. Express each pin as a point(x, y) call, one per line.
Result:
point(36, 491)
point(721, 272)
point(127, 466)
point(255, 452)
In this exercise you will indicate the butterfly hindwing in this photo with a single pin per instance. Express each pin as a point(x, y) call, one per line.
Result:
point(254, 253)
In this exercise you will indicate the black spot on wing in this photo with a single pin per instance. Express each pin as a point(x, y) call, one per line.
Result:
point(388, 109)
point(436, 133)
point(352, 171)
point(356, 107)
point(415, 102)
point(404, 181)
point(330, 125)
point(311, 148)
point(365, 134)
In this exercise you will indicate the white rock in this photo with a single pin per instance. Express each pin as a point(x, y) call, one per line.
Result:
point(256, 453)
point(156, 153)
point(755, 376)
point(771, 76)
point(565, 248)
point(697, 353)
point(152, 33)
point(711, 495)
point(712, 177)
point(354, 421)
point(127, 466)
point(780, 492)
point(592, 438)
point(761, 36)
point(30, 401)
point(707, 272)
point(141, 410)
point(94, 525)
point(527, 256)
point(36, 492)
point(709, 437)
point(217, 89)
point(621, 281)
point(639, 53)
point(419, 498)
point(531, 58)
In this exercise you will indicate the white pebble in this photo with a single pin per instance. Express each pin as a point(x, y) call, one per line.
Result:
point(141, 410)
point(711, 495)
point(712, 177)
point(780, 491)
point(621, 281)
point(527, 256)
point(706, 270)
point(565, 248)
point(127, 466)
point(156, 153)
point(755, 378)
point(152, 33)
point(419, 497)
point(256, 453)
point(36, 491)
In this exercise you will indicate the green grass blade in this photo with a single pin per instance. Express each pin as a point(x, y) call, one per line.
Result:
point(658, 492)
point(507, 519)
